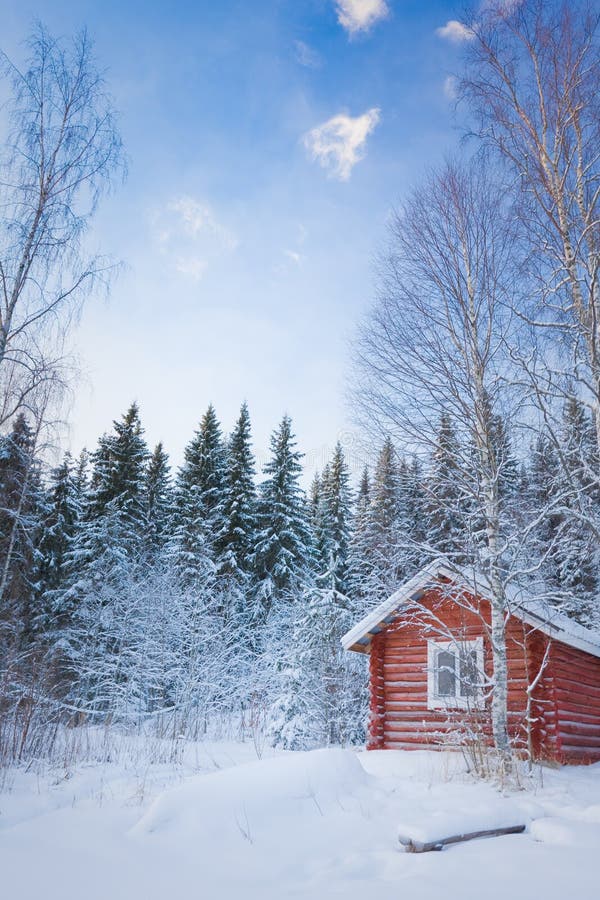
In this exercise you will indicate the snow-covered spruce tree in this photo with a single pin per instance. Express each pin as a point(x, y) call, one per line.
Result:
point(511, 514)
point(236, 544)
point(22, 512)
point(317, 520)
point(321, 687)
point(105, 565)
point(542, 490)
point(282, 555)
point(190, 551)
point(317, 664)
point(383, 527)
point(505, 459)
point(193, 556)
point(81, 472)
point(159, 502)
point(337, 504)
point(284, 568)
point(314, 496)
point(560, 495)
point(359, 558)
point(448, 533)
point(118, 476)
point(412, 521)
point(204, 471)
point(200, 499)
point(234, 574)
point(294, 721)
point(115, 517)
point(60, 545)
point(65, 503)
point(337, 691)
point(390, 527)
point(574, 553)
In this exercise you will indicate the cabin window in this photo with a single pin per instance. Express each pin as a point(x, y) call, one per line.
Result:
point(454, 674)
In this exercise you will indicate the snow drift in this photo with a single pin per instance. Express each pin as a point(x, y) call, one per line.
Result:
point(257, 802)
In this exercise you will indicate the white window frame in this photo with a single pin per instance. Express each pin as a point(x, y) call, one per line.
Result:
point(456, 702)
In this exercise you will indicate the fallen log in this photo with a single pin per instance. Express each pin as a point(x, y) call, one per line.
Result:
point(414, 846)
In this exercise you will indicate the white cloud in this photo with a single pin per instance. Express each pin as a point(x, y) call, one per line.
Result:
point(190, 236)
point(306, 56)
point(455, 31)
point(198, 217)
point(192, 266)
point(360, 15)
point(451, 87)
point(294, 256)
point(339, 143)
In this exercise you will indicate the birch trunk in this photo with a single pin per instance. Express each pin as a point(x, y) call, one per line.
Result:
point(438, 343)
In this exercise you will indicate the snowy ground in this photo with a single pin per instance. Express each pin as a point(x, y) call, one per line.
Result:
point(322, 824)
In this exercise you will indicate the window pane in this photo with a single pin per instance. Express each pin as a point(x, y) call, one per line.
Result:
point(446, 673)
point(469, 674)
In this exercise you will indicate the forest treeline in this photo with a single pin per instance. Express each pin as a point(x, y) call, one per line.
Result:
point(131, 591)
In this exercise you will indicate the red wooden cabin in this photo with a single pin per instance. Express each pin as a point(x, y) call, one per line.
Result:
point(431, 669)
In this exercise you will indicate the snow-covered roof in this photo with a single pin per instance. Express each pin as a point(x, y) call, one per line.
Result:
point(536, 613)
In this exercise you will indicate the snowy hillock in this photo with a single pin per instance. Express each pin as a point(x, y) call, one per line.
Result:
point(259, 802)
point(222, 825)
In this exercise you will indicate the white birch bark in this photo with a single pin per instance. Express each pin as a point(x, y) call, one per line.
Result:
point(438, 341)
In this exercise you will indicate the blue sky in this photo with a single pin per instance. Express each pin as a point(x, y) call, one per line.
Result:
point(267, 142)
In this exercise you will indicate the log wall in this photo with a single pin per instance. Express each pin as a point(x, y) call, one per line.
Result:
point(576, 693)
point(564, 708)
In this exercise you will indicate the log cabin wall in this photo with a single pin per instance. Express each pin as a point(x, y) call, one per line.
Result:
point(575, 679)
point(376, 737)
point(401, 651)
point(400, 718)
point(542, 711)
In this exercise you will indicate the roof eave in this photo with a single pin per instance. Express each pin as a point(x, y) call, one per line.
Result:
point(359, 638)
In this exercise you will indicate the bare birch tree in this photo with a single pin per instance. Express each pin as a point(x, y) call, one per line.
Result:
point(60, 153)
point(532, 82)
point(437, 342)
